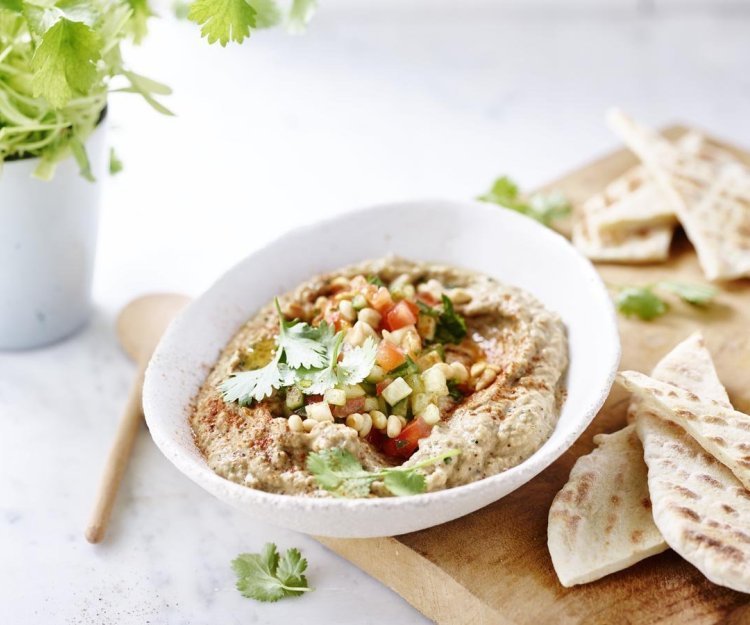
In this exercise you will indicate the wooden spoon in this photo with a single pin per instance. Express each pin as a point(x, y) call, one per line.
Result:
point(139, 327)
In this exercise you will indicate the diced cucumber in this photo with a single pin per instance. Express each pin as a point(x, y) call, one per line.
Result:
point(335, 396)
point(401, 409)
point(376, 374)
point(415, 381)
point(319, 411)
point(294, 398)
point(397, 390)
point(420, 401)
point(359, 301)
point(434, 381)
point(371, 403)
point(353, 391)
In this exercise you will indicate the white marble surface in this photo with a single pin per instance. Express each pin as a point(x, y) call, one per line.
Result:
point(378, 101)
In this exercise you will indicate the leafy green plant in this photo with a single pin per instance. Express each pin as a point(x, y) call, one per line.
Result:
point(57, 60)
point(60, 59)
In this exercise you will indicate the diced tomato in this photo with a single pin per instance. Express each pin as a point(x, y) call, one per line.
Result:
point(400, 316)
point(380, 387)
point(355, 404)
point(381, 300)
point(389, 356)
point(427, 298)
point(406, 443)
point(336, 319)
point(376, 438)
point(313, 399)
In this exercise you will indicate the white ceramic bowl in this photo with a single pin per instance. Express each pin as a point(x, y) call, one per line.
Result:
point(477, 236)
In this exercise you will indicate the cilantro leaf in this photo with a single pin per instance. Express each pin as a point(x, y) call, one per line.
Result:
point(340, 472)
point(265, 577)
point(223, 20)
point(141, 11)
point(292, 567)
point(16, 6)
point(300, 14)
point(246, 386)
point(547, 208)
point(402, 483)
point(374, 279)
point(357, 363)
point(641, 302)
point(451, 327)
point(300, 343)
point(115, 164)
point(267, 12)
point(695, 294)
point(64, 64)
point(544, 208)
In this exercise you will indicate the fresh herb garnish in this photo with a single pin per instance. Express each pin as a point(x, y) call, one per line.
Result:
point(645, 303)
point(451, 327)
point(265, 576)
point(373, 279)
point(305, 356)
point(339, 472)
point(454, 392)
point(543, 207)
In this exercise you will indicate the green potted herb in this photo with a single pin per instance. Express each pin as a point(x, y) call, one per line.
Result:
point(59, 61)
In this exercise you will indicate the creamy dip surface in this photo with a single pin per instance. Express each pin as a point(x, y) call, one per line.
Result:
point(509, 370)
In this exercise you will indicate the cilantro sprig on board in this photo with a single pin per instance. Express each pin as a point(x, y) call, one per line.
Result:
point(340, 472)
point(646, 303)
point(545, 208)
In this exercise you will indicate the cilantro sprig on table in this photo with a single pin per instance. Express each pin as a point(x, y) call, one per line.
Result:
point(451, 327)
point(339, 472)
point(266, 576)
point(543, 207)
point(645, 302)
point(306, 357)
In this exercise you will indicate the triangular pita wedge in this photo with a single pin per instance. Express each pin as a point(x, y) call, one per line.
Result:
point(649, 246)
point(630, 203)
point(700, 508)
point(600, 522)
point(721, 431)
point(710, 196)
point(635, 201)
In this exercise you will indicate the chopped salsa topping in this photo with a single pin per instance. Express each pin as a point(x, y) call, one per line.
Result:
point(384, 360)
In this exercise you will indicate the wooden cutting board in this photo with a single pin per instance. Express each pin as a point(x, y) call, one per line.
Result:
point(492, 567)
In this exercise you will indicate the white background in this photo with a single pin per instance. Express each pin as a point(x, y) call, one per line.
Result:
point(378, 101)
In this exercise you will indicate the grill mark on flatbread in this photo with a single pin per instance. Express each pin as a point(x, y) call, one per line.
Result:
point(709, 531)
point(727, 442)
point(601, 522)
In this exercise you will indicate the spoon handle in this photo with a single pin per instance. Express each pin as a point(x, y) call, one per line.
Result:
point(117, 460)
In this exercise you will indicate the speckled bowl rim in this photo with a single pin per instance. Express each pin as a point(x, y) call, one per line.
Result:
point(530, 468)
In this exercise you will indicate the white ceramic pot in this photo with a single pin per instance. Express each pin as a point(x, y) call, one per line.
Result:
point(47, 246)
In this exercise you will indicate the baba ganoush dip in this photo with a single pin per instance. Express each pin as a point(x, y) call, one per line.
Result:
point(393, 362)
